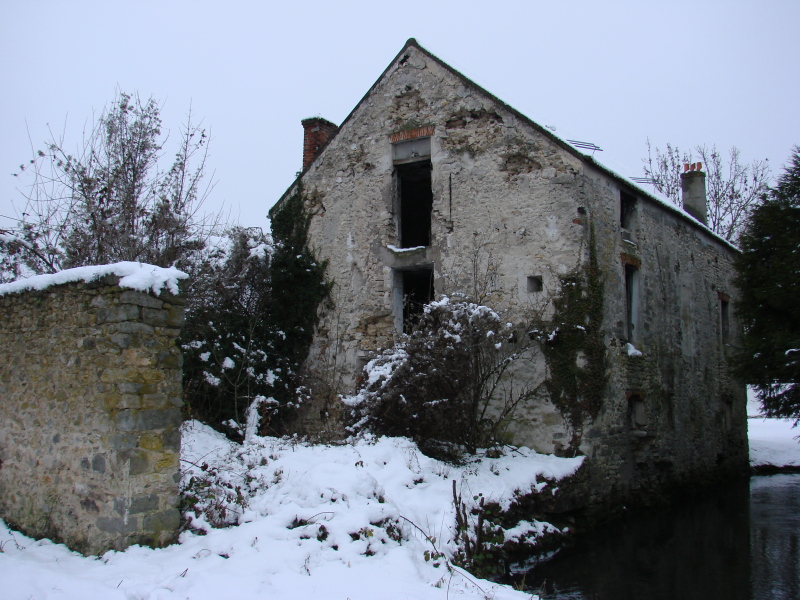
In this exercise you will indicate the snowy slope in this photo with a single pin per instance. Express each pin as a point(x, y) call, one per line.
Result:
point(359, 521)
point(773, 442)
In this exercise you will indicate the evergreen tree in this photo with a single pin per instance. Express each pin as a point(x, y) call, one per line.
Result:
point(769, 280)
point(226, 340)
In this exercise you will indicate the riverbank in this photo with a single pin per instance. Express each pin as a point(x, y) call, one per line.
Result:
point(774, 444)
point(358, 522)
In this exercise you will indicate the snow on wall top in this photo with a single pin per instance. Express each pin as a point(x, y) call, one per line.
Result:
point(132, 275)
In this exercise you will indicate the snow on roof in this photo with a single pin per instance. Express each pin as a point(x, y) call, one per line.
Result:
point(133, 275)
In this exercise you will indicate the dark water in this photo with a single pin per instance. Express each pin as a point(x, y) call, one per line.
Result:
point(738, 542)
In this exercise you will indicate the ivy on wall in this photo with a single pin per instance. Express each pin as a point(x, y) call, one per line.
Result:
point(575, 350)
point(298, 287)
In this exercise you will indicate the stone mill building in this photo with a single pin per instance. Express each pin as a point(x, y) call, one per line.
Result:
point(430, 173)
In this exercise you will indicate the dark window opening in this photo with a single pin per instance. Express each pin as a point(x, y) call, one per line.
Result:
point(636, 412)
point(725, 317)
point(416, 203)
point(631, 301)
point(627, 210)
point(417, 292)
point(535, 284)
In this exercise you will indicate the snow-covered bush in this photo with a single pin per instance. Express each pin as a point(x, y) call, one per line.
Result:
point(451, 385)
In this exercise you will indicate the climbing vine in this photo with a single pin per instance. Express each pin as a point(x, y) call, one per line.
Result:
point(574, 348)
point(297, 288)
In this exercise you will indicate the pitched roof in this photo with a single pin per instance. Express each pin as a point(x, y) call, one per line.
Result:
point(411, 42)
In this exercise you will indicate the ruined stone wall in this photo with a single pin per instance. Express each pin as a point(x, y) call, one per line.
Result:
point(674, 413)
point(502, 192)
point(508, 194)
point(90, 396)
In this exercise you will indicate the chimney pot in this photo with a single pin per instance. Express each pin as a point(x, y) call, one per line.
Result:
point(316, 133)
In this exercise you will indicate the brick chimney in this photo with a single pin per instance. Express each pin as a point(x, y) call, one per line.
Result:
point(693, 187)
point(316, 133)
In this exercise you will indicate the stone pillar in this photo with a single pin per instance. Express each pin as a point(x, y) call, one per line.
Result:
point(90, 397)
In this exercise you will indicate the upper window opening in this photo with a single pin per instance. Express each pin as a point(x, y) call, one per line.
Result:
point(416, 203)
point(627, 210)
point(637, 412)
point(725, 318)
point(632, 301)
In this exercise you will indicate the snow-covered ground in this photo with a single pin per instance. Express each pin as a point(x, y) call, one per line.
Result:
point(360, 521)
point(773, 442)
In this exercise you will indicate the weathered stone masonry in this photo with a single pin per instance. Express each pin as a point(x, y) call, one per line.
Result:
point(90, 396)
point(474, 178)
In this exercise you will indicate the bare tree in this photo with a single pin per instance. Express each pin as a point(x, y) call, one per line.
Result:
point(733, 189)
point(112, 200)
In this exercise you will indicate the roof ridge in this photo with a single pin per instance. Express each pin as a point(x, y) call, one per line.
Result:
point(585, 158)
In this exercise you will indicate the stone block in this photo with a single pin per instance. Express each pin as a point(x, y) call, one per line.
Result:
point(167, 462)
point(123, 340)
point(170, 360)
point(172, 439)
point(151, 441)
point(142, 504)
point(175, 317)
point(157, 318)
point(138, 461)
point(154, 400)
point(121, 402)
point(159, 419)
point(99, 301)
point(125, 312)
point(134, 327)
point(125, 420)
point(140, 299)
point(118, 525)
point(167, 520)
point(123, 441)
point(130, 387)
point(137, 358)
point(99, 463)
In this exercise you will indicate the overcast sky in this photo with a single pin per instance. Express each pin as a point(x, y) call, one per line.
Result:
point(611, 73)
